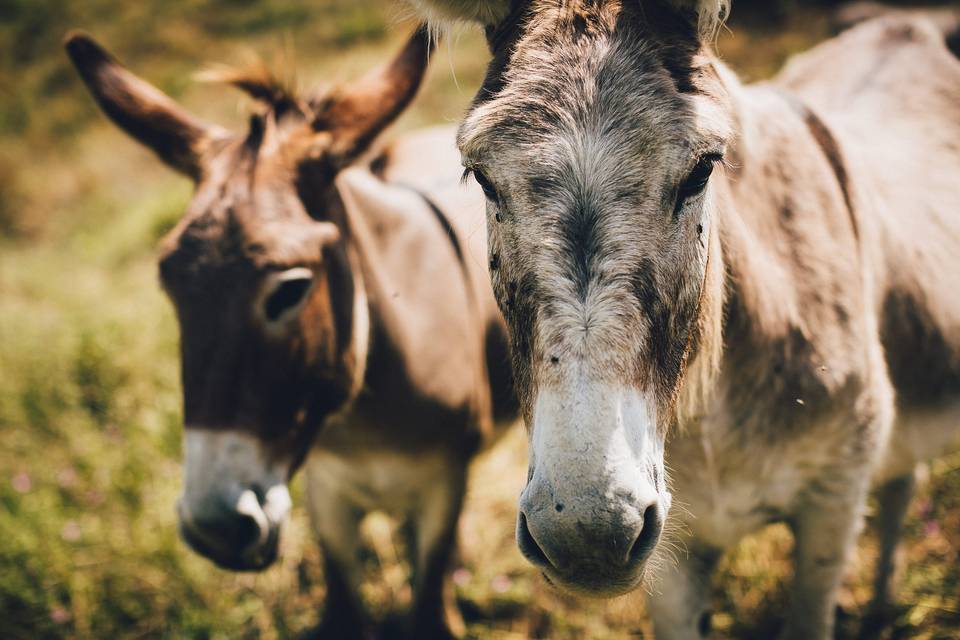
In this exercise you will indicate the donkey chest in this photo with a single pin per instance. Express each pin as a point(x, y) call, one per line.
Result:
point(378, 480)
point(730, 490)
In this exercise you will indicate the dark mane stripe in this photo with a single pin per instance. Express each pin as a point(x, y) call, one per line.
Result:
point(259, 82)
point(831, 150)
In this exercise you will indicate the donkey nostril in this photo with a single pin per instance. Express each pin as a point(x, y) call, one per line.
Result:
point(649, 535)
point(705, 624)
point(246, 532)
point(251, 525)
point(528, 545)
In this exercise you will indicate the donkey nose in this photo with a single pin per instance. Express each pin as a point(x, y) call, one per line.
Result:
point(251, 525)
point(234, 526)
point(627, 545)
point(237, 534)
point(569, 540)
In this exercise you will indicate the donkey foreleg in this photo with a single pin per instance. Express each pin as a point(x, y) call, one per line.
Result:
point(825, 528)
point(679, 596)
point(337, 524)
point(894, 499)
point(434, 614)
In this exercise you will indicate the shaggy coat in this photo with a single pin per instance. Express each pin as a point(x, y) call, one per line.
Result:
point(784, 334)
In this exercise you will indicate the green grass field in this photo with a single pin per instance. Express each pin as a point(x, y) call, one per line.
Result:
point(89, 391)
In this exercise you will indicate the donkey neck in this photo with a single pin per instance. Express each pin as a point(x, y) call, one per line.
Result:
point(785, 234)
point(424, 373)
point(408, 266)
point(785, 186)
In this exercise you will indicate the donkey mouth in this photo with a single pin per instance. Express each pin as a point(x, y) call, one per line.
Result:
point(595, 581)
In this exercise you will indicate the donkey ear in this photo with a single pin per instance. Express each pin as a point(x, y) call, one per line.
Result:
point(140, 109)
point(485, 12)
point(356, 114)
point(707, 15)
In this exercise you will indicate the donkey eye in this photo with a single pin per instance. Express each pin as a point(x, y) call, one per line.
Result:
point(488, 189)
point(288, 291)
point(698, 179)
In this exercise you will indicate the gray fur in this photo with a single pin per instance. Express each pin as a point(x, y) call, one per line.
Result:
point(819, 253)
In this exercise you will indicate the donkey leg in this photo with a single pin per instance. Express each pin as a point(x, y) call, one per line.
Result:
point(343, 615)
point(894, 498)
point(679, 599)
point(825, 529)
point(434, 614)
point(337, 524)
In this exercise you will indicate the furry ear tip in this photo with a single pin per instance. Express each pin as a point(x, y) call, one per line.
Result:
point(74, 36)
point(81, 47)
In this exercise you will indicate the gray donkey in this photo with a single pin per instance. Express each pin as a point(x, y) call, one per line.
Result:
point(750, 286)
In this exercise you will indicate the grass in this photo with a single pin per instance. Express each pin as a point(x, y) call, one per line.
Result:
point(89, 395)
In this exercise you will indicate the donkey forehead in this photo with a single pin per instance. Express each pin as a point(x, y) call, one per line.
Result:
point(220, 244)
point(603, 84)
point(247, 206)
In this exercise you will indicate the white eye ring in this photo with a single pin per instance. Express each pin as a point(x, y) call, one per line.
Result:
point(284, 294)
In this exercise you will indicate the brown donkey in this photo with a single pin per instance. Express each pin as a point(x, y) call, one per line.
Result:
point(329, 316)
point(771, 266)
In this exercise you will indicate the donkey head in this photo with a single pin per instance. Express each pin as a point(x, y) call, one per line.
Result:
point(273, 322)
point(594, 138)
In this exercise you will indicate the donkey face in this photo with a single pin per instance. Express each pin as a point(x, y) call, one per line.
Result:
point(272, 334)
point(594, 138)
point(272, 320)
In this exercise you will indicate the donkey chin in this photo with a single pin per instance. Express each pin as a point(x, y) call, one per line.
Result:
point(594, 507)
point(235, 500)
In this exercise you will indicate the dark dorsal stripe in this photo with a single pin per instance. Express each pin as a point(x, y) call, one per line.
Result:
point(448, 231)
point(831, 150)
point(441, 218)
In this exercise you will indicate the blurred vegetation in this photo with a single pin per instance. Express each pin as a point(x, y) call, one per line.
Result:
point(89, 392)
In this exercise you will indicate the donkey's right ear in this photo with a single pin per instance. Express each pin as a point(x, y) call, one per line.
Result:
point(357, 113)
point(140, 109)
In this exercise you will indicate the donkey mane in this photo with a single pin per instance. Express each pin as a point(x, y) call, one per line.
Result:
point(261, 83)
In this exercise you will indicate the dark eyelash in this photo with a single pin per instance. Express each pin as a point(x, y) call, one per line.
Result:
point(717, 158)
point(693, 185)
point(488, 189)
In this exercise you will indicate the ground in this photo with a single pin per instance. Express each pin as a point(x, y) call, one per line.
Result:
point(89, 391)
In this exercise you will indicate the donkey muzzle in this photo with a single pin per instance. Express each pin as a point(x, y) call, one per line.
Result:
point(595, 503)
point(240, 533)
point(235, 499)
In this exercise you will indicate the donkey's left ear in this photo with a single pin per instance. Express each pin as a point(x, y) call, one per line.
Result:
point(356, 114)
point(140, 109)
point(708, 15)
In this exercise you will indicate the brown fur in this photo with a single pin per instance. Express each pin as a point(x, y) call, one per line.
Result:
point(386, 346)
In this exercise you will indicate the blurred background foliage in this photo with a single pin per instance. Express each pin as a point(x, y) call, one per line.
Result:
point(90, 430)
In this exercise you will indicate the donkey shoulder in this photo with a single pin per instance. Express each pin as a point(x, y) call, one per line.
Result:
point(897, 62)
point(894, 106)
